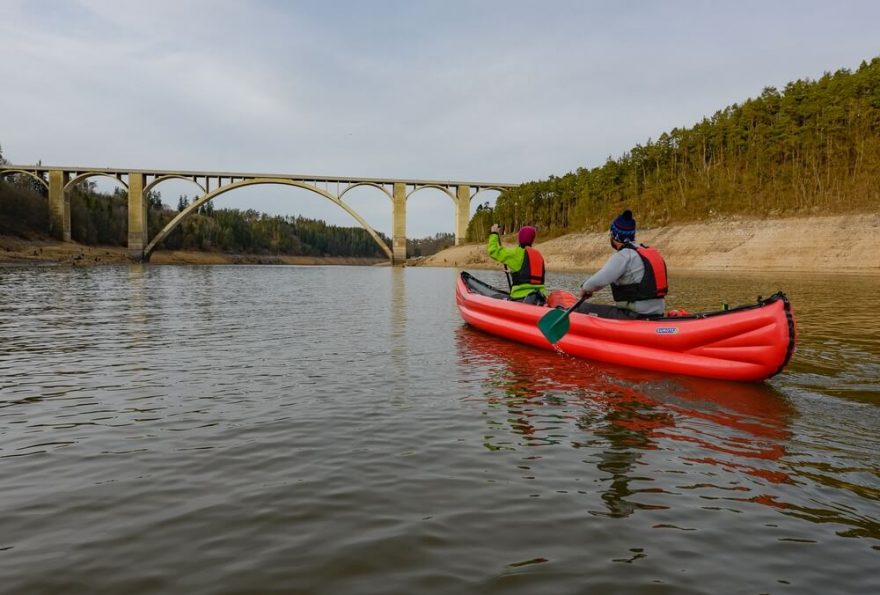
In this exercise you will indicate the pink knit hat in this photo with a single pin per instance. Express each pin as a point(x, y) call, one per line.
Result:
point(527, 235)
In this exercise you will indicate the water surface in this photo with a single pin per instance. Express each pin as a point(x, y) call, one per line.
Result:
point(340, 430)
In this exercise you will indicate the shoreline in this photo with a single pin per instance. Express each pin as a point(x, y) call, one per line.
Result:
point(814, 244)
point(20, 251)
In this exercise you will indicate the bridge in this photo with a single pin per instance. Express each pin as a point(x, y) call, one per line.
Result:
point(58, 181)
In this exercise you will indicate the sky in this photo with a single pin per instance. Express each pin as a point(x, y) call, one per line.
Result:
point(490, 90)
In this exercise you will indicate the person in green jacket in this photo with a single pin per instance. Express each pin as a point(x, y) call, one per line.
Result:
point(525, 263)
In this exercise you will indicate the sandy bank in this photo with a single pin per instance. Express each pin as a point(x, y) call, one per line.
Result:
point(19, 251)
point(808, 244)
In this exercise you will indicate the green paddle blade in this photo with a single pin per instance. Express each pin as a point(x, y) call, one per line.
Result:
point(554, 324)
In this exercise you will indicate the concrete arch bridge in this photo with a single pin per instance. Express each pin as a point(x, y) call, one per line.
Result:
point(58, 181)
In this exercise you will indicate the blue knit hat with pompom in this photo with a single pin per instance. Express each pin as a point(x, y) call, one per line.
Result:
point(623, 228)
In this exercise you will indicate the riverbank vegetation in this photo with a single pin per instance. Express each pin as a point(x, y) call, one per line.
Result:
point(811, 148)
point(416, 248)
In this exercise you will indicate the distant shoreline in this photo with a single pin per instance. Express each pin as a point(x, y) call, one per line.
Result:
point(817, 244)
point(20, 251)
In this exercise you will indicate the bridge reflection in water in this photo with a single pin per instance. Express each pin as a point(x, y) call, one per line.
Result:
point(58, 181)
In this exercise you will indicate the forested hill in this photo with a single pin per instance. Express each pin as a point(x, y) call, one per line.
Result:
point(812, 148)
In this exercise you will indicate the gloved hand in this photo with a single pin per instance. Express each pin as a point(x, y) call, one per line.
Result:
point(586, 294)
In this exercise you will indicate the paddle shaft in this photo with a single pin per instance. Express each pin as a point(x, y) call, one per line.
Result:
point(576, 304)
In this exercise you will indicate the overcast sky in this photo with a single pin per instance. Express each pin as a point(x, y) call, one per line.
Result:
point(492, 90)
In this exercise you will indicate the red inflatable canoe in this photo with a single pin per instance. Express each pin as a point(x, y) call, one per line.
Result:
point(748, 343)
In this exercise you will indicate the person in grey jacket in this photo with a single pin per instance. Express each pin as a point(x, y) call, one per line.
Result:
point(636, 274)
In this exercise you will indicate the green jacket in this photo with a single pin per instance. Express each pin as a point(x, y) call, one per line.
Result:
point(513, 258)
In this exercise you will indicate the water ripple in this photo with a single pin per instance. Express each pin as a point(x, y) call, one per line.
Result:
point(338, 430)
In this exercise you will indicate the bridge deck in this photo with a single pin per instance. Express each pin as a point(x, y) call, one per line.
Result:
point(251, 175)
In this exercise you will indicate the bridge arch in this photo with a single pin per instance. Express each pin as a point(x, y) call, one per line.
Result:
point(481, 188)
point(92, 174)
point(253, 182)
point(443, 189)
point(373, 184)
point(163, 178)
point(12, 172)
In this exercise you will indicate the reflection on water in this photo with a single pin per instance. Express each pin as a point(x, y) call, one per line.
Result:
point(738, 437)
point(621, 413)
point(340, 430)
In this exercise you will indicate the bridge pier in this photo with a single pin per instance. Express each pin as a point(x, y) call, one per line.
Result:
point(137, 217)
point(462, 213)
point(398, 234)
point(59, 205)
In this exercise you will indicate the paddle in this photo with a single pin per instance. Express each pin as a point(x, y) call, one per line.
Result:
point(509, 281)
point(554, 324)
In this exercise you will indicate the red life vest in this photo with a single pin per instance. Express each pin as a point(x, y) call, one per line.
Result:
point(653, 284)
point(532, 270)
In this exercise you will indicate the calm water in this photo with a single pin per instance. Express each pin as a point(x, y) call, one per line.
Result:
point(339, 430)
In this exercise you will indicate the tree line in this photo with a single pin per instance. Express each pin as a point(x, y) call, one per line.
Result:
point(812, 148)
point(252, 232)
point(430, 245)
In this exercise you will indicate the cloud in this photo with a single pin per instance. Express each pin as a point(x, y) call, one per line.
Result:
point(489, 91)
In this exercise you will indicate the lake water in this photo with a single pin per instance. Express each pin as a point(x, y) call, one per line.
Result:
point(340, 430)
